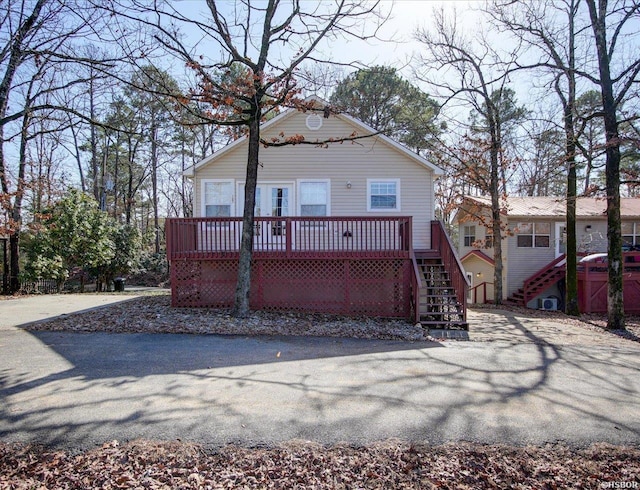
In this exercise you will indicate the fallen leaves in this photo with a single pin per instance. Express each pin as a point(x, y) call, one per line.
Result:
point(154, 314)
point(390, 464)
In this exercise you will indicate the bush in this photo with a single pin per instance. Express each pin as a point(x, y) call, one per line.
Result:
point(153, 270)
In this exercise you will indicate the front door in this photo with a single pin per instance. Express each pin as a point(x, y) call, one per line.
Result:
point(561, 239)
point(272, 200)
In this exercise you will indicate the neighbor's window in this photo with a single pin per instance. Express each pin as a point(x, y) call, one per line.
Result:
point(488, 237)
point(534, 235)
point(630, 234)
point(217, 198)
point(314, 198)
point(469, 235)
point(383, 195)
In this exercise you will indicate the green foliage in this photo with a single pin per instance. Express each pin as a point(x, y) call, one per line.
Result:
point(504, 109)
point(382, 99)
point(127, 244)
point(75, 234)
point(42, 261)
point(152, 270)
point(80, 232)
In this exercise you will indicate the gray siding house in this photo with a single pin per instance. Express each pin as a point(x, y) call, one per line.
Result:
point(535, 237)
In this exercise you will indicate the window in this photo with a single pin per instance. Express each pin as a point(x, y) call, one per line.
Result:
point(533, 235)
point(217, 198)
point(383, 195)
point(469, 235)
point(314, 198)
point(488, 237)
point(630, 234)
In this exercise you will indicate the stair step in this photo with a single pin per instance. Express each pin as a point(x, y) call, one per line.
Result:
point(445, 333)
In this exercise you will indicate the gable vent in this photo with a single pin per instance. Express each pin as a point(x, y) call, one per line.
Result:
point(314, 122)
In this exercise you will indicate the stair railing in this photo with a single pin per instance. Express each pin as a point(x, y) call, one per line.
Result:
point(416, 285)
point(441, 241)
point(474, 291)
point(528, 288)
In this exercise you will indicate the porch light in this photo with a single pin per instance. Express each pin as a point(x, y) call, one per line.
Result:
point(348, 184)
point(587, 228)
point(478, 274)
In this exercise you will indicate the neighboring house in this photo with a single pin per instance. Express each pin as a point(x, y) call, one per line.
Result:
point(534, 244)
point(344, 228)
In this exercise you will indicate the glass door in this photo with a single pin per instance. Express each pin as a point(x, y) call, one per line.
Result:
point(561, 239)
point(272, 200)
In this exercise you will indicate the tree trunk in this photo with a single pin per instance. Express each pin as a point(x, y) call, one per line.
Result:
point(494, 190)
point(94, 142)
point(243, 288)
point(571, 246)
point(154, 181)
point(615, 298)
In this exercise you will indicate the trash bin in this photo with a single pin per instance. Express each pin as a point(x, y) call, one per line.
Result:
point(118, 283)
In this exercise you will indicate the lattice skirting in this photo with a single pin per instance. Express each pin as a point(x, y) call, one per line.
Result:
point(368, 287)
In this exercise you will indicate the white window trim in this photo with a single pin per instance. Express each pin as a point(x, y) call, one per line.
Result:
point(239, 191)
point(385, 180)
point(635, 233)
point(533, 234)
point(312, 181)
point(465, 236)
point(203, 204)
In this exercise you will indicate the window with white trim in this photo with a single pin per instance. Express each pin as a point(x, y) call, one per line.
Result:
point(488, 237)
point(469, 234)
point(217, 198)
point(533, 235)
point(313, 197)
point(383, 194)
point(630, 234)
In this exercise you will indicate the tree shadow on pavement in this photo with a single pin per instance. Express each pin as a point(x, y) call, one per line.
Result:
point(253, 391)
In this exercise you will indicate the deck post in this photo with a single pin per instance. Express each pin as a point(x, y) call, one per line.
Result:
point(288, 239)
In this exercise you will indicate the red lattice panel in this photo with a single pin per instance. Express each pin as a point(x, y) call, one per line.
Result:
point(302, 285)
point(349, 286)
point(203, 283)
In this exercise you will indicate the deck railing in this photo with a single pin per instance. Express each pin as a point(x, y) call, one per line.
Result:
point(291, 237)
point(440, 241)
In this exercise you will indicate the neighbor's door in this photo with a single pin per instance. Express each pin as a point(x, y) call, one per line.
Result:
point(561, 239)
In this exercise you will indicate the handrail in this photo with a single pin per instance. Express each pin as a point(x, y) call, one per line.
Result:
point(544, 269)
point(288, 236)
point(474, 292)
point(441, 241)
point(417, 284)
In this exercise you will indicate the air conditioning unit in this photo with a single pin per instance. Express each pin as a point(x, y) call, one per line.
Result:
point(548, 303)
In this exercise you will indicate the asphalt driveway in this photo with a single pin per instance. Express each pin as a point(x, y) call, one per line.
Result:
point(78, 390)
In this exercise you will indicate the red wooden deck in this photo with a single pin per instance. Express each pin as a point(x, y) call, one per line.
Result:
point(346, 265)
point(592, 285)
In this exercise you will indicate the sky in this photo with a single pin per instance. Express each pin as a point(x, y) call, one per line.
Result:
point(397, 45)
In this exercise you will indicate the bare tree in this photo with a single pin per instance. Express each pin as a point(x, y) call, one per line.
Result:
point(261, 46)
point(476, 77)
point(35, 37)
point(618, 72)
point(536, 24)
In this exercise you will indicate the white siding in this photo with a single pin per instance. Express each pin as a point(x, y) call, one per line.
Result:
point(342, 163)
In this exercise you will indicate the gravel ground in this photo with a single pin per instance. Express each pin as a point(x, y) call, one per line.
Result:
point(153, 313)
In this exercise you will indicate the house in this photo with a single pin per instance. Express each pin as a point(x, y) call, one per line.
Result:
point(344, 228)
point(533, 249)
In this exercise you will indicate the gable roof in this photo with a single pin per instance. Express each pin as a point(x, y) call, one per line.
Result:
point(555, 207)
point(362, 127)
point(479, 254)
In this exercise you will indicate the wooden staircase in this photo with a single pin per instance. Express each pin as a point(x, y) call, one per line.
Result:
point(438, 303)
point(539, 282)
